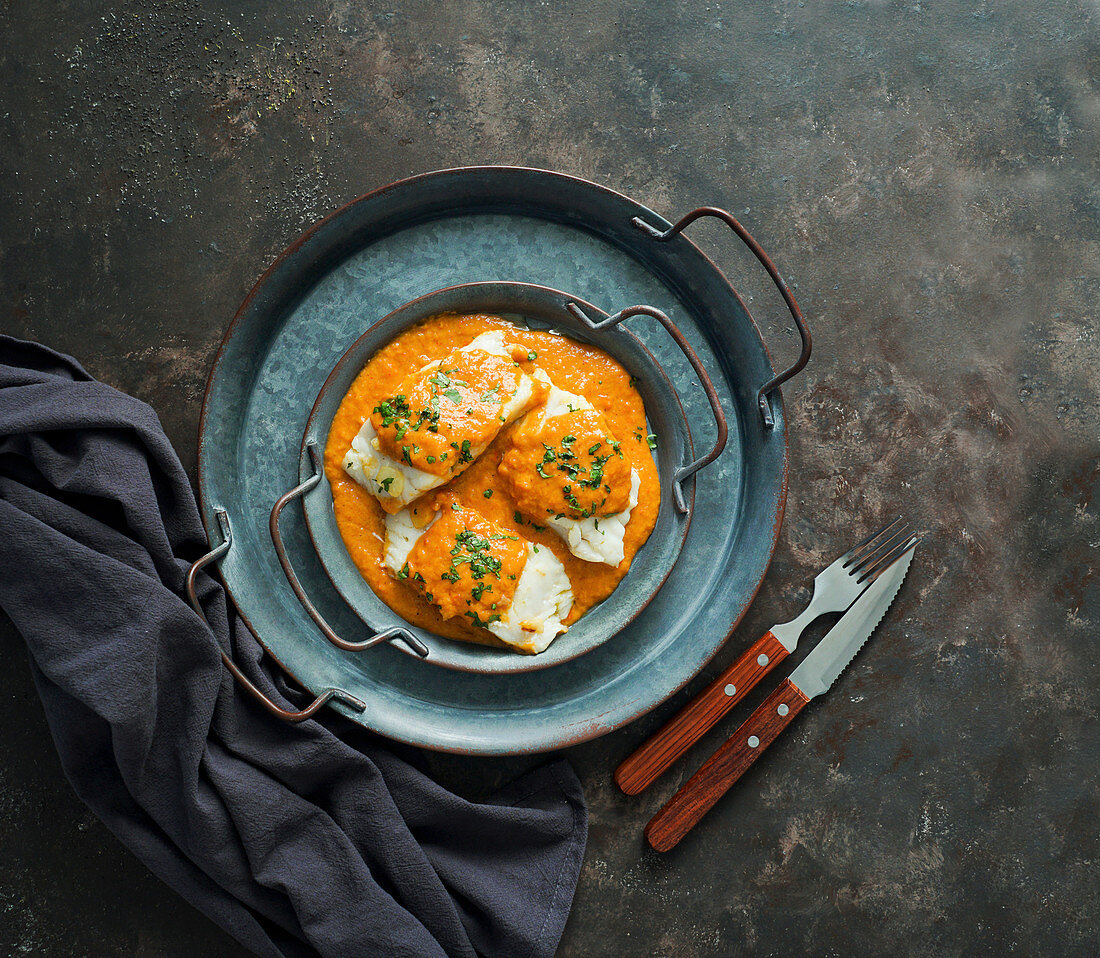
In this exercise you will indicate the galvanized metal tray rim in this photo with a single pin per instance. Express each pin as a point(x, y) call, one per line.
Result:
point(413, 181)
point(668, 265)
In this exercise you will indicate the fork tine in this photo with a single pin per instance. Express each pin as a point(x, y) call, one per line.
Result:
point(884, 562)
point(857, 552)
point(881, 547)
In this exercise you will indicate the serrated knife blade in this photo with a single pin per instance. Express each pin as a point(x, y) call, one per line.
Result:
point(822, 667)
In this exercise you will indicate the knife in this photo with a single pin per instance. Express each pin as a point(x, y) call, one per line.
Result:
point(818, 671)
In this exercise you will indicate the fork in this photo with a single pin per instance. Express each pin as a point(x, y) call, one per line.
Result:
point(835, 588)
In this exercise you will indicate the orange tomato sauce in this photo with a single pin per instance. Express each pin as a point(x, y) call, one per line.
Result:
point(431, 559)
point(575, 367)
point(567, 467)
point(462, 410)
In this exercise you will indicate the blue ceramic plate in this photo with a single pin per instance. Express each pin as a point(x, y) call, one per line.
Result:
point(445, 229)
point(539, 308)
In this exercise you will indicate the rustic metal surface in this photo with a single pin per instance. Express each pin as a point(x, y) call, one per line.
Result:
point(925, 176)
point(442, 229)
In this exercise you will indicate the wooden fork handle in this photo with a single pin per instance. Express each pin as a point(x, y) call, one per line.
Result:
point(699, 794)
point(654, 757)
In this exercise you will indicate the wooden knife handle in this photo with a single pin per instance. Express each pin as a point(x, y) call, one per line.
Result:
point(649, 761)
point(698, 795)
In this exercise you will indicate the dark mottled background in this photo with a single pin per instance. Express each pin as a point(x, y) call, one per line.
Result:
point(925, 173)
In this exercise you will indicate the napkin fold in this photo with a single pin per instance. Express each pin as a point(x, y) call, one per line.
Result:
point(296, 839)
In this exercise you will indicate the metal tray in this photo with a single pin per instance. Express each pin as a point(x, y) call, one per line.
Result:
point(543, 308)
point(449, 228)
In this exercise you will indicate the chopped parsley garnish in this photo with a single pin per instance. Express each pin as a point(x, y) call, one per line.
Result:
point(489, 394)
point(404, 573)
point(473, 549)
point(405, 455)
point(431, 458)
point(393, 409)
point(518, 516)
point(651, 440)
point(386, 483)
point(464, 453)
point(532, 355)
point(565, 459)
point(598, 464)
point(488, 493)
point(483, 623)
point(567, 491)
point(441, 380)
point(397, 410)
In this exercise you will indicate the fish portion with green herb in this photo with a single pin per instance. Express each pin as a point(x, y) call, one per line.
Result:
point(564, 468)
point(440, 420)
point(586, 471)
point(470, 567)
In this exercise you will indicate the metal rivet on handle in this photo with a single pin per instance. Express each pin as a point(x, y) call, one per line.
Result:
point(731, 689)
point(783, 709)
point(753, 741)
point(761, 659)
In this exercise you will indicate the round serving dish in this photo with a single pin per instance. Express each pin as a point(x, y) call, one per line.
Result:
point(539, 308)
point(442, 229)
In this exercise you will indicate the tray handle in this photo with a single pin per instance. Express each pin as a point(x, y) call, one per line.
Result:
point(394, 634)
point(708, 387)
point(288, 715)
point(663, 236)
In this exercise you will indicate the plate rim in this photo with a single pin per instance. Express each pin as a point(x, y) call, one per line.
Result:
point(571, 734)
point(522, 663)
